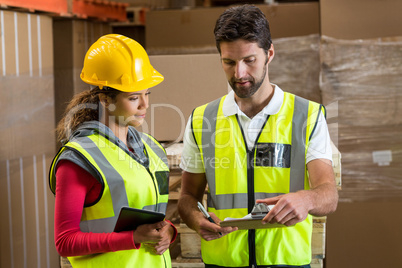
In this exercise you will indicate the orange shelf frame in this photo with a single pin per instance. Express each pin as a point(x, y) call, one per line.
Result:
point(100, 9)
point(53, 6)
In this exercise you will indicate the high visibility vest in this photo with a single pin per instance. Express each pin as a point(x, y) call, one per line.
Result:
point(125, 182)
point(237, 176)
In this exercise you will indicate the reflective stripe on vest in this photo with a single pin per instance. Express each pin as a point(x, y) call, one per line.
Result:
point(279, 152)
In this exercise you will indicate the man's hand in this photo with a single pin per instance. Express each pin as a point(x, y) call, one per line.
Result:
point(210, 231)
point(289, 209)
point(192, 191)
point(320, 200)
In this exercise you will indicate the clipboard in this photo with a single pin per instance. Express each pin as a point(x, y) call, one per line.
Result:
point(131, 218)
point(248, 224)
point(252, 220)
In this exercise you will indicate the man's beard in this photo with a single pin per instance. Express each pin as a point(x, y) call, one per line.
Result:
point(246, 92)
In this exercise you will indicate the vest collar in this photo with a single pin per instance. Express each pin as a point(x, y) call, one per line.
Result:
point(133, 138)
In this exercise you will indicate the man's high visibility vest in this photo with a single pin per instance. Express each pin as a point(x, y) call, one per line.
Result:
point(125, 182)
point(237, 176)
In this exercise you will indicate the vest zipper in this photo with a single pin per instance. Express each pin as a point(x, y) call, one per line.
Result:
point(250, 197)
point(251, 202)
point(156, 189)
point(251, 191)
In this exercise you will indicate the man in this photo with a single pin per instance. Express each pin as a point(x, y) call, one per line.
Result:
point(257, 144)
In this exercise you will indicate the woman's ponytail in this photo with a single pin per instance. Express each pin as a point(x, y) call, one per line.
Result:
point(82, 108)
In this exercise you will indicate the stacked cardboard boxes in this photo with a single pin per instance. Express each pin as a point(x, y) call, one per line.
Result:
point(175, 30)
point(27, 140)
point(363, 79)
point(360, 19)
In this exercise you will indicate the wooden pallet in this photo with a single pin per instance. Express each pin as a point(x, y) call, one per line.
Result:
point(187, 263)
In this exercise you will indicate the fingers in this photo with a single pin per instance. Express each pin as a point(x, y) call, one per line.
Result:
point(159, 225)
point(210, 226)
point(208, 236)
point(159, 243)
point(269, 201)
point(159, 247)
point(156, 249)
point(287, 211)
point(161, 250)
point(282, 218)
point(210, 231)
point(151, 233)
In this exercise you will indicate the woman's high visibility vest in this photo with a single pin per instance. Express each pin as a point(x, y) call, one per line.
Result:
point(237, 176)
point(125, 182)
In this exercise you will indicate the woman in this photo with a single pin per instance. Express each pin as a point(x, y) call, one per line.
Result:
point(105, 163)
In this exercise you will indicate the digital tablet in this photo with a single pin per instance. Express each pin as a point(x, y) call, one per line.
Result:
point(131, 218)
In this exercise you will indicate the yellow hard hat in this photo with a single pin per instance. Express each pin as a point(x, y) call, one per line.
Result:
point(119, 62)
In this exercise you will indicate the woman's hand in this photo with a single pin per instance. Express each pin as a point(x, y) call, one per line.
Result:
point(156, 236)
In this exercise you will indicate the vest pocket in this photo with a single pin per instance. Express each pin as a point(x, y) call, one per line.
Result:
point(273, 155)
point(162, 177)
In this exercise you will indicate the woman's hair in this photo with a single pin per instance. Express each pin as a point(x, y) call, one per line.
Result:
point(82, 108)
point(245, 22)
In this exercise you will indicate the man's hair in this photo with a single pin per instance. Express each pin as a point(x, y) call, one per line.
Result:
point(245, 22)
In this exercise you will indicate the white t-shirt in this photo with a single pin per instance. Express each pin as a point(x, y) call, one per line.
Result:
point(320, 144)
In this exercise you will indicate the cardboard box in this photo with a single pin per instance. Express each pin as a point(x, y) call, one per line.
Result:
point(194, 27)
point(190, 81)
point(27, 205)
point(180, 28)
point(27, 140)
point(360, 19)
point(362, 80)
point(26, 88)
point(72, 39)
point(365, 234)
point(296, 66)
